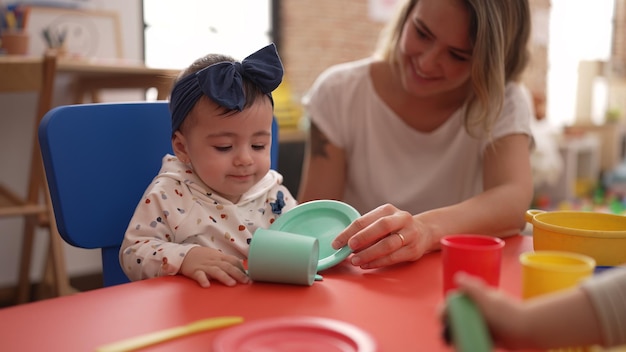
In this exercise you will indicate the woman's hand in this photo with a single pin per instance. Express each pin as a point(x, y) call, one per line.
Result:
point(203, 264)
point(385, 236)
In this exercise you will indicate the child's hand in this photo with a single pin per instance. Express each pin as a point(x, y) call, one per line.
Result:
point(204, 264)
point(502, 313)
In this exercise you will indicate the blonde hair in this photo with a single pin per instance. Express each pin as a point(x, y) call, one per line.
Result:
point(499, 31)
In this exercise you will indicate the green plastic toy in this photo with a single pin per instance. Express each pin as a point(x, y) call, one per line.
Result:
point(465, 327)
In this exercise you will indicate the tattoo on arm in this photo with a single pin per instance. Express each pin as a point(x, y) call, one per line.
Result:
point(318, 142)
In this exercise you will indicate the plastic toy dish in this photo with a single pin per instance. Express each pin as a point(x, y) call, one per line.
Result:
point(295, 334)
point(318, 277)
point(323, 219)
point(600, 269)
point(601, 236)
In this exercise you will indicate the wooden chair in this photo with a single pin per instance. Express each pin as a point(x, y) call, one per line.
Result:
point(26, 74)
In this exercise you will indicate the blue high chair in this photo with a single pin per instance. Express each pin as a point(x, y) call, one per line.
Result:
point(99, 159)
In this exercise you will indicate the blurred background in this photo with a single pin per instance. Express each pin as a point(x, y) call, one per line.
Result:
point(576, 81)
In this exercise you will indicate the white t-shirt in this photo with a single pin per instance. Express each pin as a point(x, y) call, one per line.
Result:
point(607, 292)
point(390, 162)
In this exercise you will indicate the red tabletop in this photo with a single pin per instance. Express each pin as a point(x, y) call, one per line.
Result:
point(399, 306)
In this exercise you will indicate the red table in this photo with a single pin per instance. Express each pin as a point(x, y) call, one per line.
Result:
point(398, 306)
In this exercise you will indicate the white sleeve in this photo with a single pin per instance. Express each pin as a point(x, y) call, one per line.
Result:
point(607, 292)
point(150, 248)
point(515, 116)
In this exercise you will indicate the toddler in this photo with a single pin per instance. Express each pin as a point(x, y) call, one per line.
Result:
point(198, 215)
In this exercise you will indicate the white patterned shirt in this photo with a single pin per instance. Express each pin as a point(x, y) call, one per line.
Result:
point(178, 212)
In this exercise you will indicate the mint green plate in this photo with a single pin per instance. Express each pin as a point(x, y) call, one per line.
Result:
point(324, 220)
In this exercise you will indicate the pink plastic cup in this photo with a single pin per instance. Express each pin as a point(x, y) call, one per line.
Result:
point(477, 255)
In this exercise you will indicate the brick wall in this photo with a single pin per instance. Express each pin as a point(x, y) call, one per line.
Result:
point(619, 31)
point(317, 34)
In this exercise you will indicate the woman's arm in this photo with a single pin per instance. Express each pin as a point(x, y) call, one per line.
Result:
point(507, 193)
point(323, 169)
point(498, 210)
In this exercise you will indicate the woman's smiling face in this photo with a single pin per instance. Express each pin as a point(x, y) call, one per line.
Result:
point(435, 49)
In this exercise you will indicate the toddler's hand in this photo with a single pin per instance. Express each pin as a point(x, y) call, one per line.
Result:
point(503, 313)
point(203, 264)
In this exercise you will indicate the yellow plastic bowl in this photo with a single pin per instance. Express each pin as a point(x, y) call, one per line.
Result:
point(599, 235)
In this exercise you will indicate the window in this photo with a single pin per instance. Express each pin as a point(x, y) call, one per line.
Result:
point(177, 35)
point(580, 30)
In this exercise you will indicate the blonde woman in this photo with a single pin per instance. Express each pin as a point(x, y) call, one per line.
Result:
point(430, 136)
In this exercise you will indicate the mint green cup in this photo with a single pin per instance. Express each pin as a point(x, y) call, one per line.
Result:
point(283, 257)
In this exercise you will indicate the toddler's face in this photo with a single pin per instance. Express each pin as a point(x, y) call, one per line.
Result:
point(229, 153)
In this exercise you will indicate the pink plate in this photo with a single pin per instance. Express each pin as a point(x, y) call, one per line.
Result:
point(302, 334)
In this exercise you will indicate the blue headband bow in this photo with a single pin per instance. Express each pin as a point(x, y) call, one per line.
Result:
point(223, 83)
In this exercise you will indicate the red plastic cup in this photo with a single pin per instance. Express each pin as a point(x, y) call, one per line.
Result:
point(477, 255)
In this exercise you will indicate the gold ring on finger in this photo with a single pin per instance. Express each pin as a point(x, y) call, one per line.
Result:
point(401, 238)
